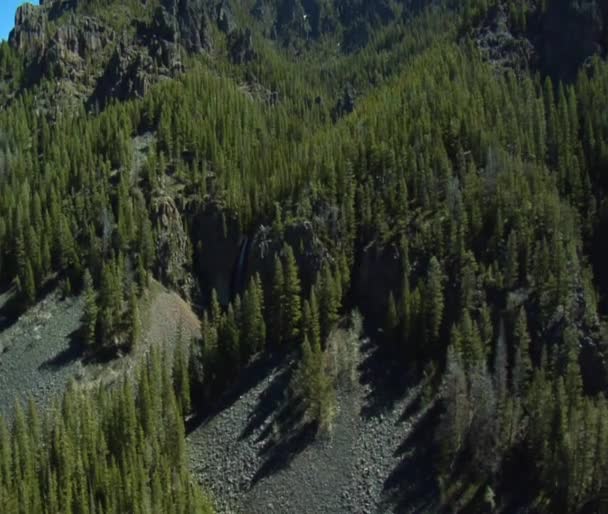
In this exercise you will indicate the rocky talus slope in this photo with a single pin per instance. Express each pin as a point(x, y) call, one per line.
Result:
point(41, 351)
point(372, 461)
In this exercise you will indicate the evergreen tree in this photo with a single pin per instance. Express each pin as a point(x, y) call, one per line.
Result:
point(277, 314)
point(434, 301)
point(392, 319)
point(292, 297)
point(522, 364)
point(90, 310)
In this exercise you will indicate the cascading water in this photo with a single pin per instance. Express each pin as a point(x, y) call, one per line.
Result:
point(239, 273)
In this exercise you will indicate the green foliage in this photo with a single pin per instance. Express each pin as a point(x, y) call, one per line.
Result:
point(88, 454)
point(90, 309)
point(461, 194)
point(314, 387)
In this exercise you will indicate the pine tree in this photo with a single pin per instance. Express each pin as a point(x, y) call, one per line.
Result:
point(292, 297)
point(329, 302)
point(133, 320)
point(455, 420)
point(434, 302)
point(181, 375)
point(29, 283)
point(312, 384)
point(392, 319)
point(522, 364)
point(277, 315)
point(90, 309)
point(253, 327)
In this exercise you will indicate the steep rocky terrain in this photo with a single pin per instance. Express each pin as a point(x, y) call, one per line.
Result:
point(43, 350)
point(374, 460)
point(244, 175)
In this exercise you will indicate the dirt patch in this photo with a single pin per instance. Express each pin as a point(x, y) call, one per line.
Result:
point(168, 313)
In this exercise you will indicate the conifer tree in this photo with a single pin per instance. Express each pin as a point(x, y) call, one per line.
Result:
point(329, 302)
point(181, 375)
point(90, 309)
point(133, 320)
point(292, 296)
point(277, 315)
point(522, 364)
point(434, 301)
point(392, 318)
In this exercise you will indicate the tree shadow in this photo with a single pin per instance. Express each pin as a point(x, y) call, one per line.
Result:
point(270, 402)
point(249, 378)
point(14, 306)
point(285, 431)
point(412, 485)
point(287, 437)
point(385, 377)
point(11, 309)
point(75, 351)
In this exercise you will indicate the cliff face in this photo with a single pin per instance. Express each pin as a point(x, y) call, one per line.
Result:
point(569, 33)
point(101, 59)
point(64, 40)
point(556, 41)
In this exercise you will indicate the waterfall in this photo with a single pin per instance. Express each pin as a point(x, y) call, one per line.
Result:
point(239, 273)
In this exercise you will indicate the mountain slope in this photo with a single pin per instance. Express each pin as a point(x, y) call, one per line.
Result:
point(283, 164)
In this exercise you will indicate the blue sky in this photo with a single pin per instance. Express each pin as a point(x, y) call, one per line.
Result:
point(7, 15)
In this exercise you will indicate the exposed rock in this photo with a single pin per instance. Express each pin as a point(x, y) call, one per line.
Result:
point(217, 237)
point(173, 246)
point(72, 45)
point(185, 22)
point(29, 34)
point(241, 46)
point(129, 73)
point(309, 251)
point(570, 33)
point(225, 18)
point(500, 47)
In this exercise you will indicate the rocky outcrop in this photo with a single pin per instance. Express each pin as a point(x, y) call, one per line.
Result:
point(309, 251)
point(241, 48)
point(130, 73)
point(556, 41)
point(29, 34)
point(73, 44)
point(217, 237)
point(225, 18)
point(98, 64)
point(499, 46)
point(185, 22)
point(569, 33)
point(226, 257)
point(173, 251)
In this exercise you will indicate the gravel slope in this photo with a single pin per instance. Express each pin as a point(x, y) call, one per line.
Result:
point(39, 352)
point(362, 467)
